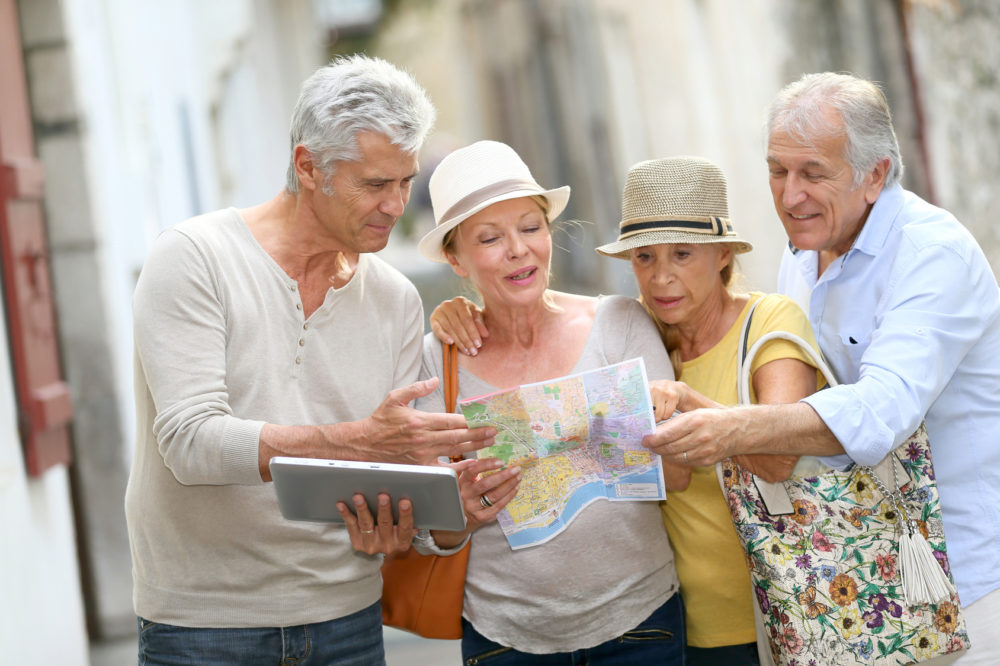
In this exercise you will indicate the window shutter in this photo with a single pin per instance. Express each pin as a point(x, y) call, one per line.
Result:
point(44, 405)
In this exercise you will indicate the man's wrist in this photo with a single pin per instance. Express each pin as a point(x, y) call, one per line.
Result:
point(342, 441)
point(345, 441)
point(793, 428)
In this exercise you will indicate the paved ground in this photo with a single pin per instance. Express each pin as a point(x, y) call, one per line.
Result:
point(401, 649)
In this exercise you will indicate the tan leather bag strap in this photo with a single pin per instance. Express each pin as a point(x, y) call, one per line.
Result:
point(450, 378)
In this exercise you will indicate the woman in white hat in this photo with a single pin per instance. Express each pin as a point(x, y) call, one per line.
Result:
point(676, 232)
point(605, 587)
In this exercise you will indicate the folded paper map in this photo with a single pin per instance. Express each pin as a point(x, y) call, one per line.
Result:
point(577, 439)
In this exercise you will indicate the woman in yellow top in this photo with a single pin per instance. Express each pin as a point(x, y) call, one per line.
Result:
point(676, 231)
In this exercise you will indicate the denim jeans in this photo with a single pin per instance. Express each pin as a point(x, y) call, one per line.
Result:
point(659, 639)
point(354, 640)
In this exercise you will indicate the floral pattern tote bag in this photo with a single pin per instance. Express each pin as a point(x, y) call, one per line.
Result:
point(827, 555)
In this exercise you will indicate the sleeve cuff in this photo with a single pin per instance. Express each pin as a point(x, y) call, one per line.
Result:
point(865, 438)
point(241, 451)
point(425, 544)
point(837, 462)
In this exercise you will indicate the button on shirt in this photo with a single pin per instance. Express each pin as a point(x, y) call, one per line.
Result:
point(909, 320)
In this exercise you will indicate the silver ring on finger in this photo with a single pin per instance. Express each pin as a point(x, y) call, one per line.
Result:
point(485, 501)
point(685, 457)
point(371, 531)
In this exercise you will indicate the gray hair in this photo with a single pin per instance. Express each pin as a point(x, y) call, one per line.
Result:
point(800, 107)
point(356, 94)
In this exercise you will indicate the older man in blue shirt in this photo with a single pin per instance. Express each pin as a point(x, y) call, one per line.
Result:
point(906, 310)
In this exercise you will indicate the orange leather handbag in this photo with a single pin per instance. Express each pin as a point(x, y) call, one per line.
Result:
point(423, 593)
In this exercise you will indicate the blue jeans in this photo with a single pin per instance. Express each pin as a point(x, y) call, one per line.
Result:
point(659, 639)
point(354, 640)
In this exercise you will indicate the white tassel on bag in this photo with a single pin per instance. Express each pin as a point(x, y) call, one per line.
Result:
point(924, 581)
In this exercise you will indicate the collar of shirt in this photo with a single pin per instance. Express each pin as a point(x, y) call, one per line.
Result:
point(876, 228)
point(870, 241)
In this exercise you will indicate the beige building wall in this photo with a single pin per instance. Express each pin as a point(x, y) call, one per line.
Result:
point(41, 605)
point(956, 51)
point(585, 88)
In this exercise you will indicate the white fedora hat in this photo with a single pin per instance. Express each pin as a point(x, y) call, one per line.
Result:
point(470, 179)
point(674, 200)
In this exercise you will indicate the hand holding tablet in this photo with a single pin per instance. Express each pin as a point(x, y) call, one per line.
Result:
point(308, 489)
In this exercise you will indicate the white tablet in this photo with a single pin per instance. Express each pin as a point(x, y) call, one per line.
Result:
point(309, 489)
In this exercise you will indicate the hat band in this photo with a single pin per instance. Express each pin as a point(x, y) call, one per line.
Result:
point(473, 199)
point(715, 226)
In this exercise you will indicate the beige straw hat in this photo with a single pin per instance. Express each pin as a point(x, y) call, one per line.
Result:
point(675, 200)
point(471, 178)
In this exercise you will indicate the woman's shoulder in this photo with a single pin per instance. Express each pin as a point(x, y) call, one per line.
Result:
point(623, 313)
point(625, 330)
point(775, 304)
point(617, 306)
point(574, 308)
point(570, 301)
point(777, 312)
point(432, 348)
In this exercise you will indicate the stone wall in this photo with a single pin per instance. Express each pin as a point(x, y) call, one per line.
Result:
point(76, 248)
point(939, 64)
point(956, 48)
point(586, 88)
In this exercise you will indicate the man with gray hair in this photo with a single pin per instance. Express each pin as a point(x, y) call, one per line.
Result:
point(906, 310)
point(272, 331)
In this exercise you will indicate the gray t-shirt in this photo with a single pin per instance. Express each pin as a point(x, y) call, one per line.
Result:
point(611, 568)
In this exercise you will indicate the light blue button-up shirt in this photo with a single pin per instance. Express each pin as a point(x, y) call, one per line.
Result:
point(909, 320)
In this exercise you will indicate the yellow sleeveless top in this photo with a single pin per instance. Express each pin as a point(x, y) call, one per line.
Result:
point(711, 564)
